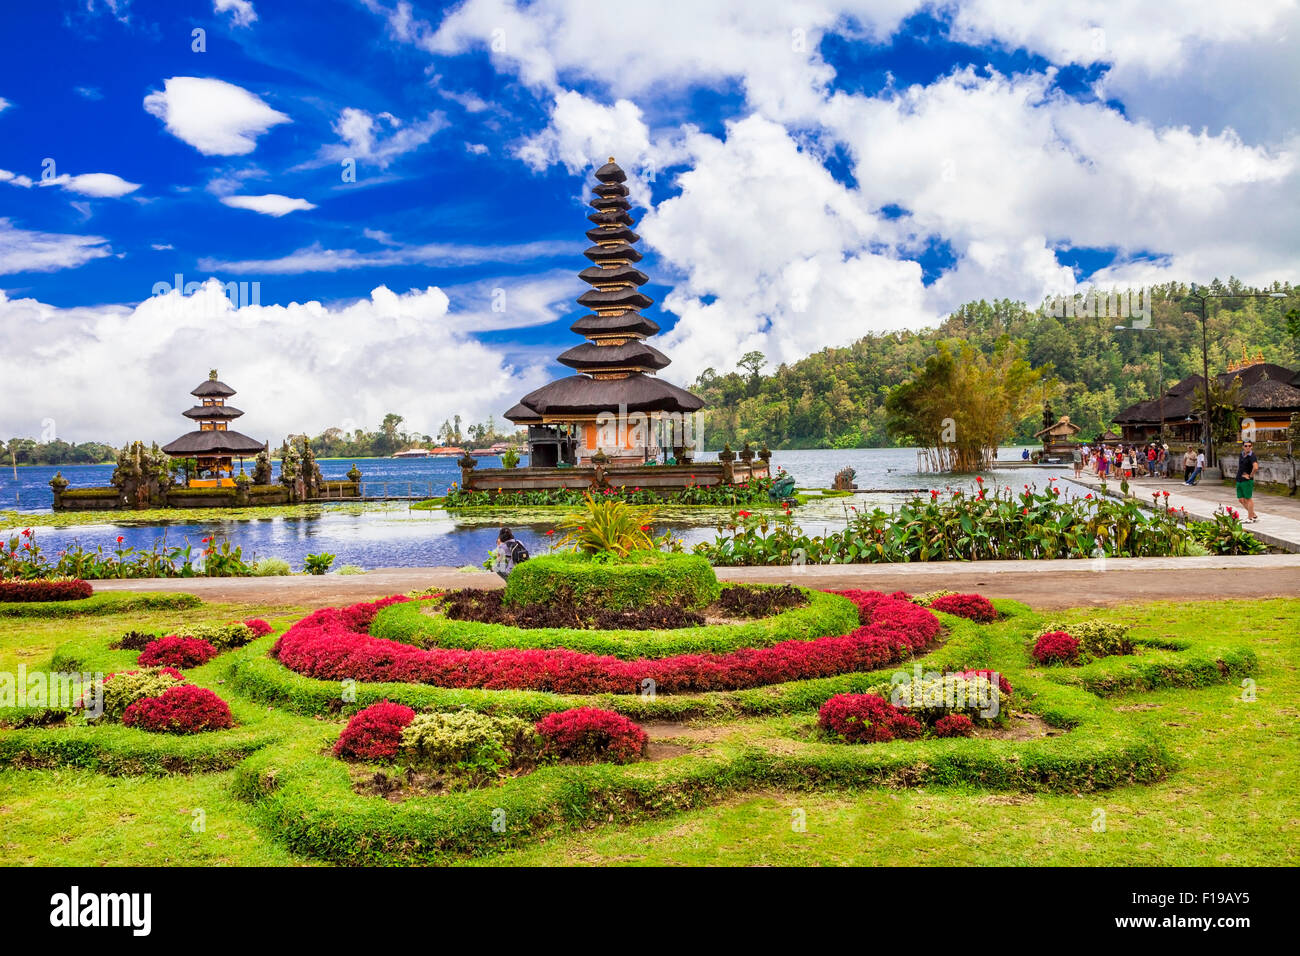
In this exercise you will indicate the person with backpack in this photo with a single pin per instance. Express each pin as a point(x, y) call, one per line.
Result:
point(509, 552)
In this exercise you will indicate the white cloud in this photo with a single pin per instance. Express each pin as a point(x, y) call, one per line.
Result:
point(352, 362)
point(97, 185)
point(271, 204)
point(362, 141)
point(4, 104)
point(161, 246)
point(13, 179)
point(89, 92)
point(241, 12)
point(476, 149)
point(26, 250)
point(773, 255)
point(317, 258)
point(215, 117)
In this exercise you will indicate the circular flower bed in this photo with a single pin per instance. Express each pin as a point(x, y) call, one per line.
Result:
point(331, 644)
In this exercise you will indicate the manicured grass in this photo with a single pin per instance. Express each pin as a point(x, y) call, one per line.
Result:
point(1231, 800)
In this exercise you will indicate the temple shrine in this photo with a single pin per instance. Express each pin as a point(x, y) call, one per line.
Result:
point(214, 445)
point(616, 369)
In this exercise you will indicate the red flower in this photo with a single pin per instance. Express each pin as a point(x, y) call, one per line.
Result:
point(120, 539)
point(589, 733)
point(1056, 647)
point(954, 725)
point(974, 607)
point(1088, 496)
point(552, 531)
point(173, 651)
point(1024, 511)
point(26, 532)
point(866, 718)
point(184, 709)
point(744, 514)
point(979, 479)
point(374, 733)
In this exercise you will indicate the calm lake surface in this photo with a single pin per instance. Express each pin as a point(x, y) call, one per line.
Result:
point(392, 535)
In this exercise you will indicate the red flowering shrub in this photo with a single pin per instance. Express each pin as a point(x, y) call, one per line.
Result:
point(973, 607)
point(1004, 685)
point(325, 645)
point(45, 590)
point(954, 725)
point(589, 733)
point(183, 709)
point(1056, 647)
point(173, 651)
point(374, 733)
point(259, 627)
point(866, 718)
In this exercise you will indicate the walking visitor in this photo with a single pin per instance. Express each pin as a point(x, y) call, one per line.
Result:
point(1247, 467)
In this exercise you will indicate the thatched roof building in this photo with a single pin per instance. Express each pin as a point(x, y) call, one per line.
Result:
point(213, 444)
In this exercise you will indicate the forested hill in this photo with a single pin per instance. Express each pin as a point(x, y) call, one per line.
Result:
point(835, 397)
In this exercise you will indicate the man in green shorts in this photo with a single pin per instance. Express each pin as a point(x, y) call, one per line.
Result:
point(1247, 466)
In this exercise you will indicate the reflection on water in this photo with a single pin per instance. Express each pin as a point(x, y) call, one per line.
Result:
point(392, 535)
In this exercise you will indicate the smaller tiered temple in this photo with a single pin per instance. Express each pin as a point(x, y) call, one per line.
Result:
point(214, 445)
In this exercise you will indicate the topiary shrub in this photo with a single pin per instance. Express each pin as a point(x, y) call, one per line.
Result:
point(1096, 637)
point(222, 636)
point(176, 651)
point(642, 579)
point(973, 693)
point(1056, 647)
point(259, 627)
point(133, 641)
point(374, 733)
point(124, 688)
point(466, 742)
point(925, 599)
point(588, 734)
point(866, 718)
point(973, 607)
point(954, 725)
point(184, 709)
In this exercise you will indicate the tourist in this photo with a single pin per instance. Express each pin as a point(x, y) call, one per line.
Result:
point(1152, 455)
point(1189, 463)
point(1247, 468)
point(1197, 467)
point(1077, 453)
point(1024, 455)
point(509, 552)
point(1101, 464)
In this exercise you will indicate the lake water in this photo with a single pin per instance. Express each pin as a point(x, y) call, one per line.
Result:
point(392, 535)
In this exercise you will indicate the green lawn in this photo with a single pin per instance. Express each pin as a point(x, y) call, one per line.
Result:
point(1234, 800)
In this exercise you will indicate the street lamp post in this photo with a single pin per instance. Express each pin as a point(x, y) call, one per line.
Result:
point(1202, 298)
point(1160, 369)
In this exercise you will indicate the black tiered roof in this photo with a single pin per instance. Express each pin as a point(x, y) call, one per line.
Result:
point(213, 442)
point(616, 366)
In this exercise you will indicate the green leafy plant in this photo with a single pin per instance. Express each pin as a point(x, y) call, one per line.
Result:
point(271, 567)
point(510, 458)
point(607, 527)
point(318, 563)
point(466, 743)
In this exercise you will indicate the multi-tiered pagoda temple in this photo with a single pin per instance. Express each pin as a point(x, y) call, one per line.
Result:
point(214, 446)
point(569, 419)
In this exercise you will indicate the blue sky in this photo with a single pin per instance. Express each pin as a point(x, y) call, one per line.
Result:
point(809, 171)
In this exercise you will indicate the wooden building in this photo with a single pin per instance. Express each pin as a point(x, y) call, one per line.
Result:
point(1269, 394)
point(213, 445)
point(615, 407)
point(1058, 439)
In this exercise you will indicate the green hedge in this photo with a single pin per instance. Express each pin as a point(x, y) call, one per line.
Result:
point(648, 578)
point(91, 493)
point(306, 798)
point(105, 602)
point(824, 615)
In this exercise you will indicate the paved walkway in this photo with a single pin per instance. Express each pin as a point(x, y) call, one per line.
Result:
point(1041, 584)
point(1279, 516)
